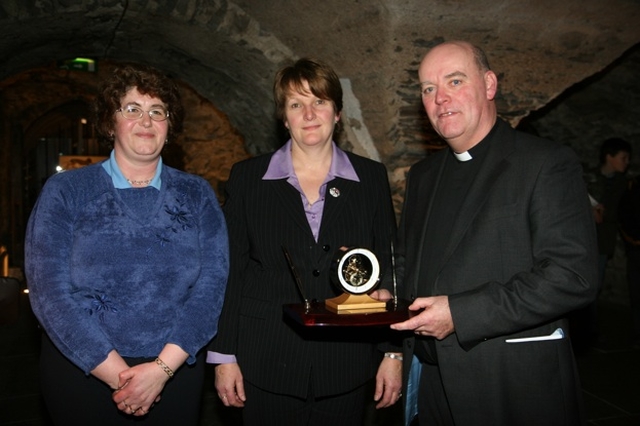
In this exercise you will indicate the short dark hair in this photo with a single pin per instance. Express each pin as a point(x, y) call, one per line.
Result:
point(148, 81)
point(322, 79)
point(481, 58)
point(612, 146)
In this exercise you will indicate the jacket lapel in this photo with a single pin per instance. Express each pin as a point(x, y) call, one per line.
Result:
point(336, 197)
point(427, 214)
point(290, 199)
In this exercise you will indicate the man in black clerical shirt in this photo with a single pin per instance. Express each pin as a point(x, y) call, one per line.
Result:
point(496, 245)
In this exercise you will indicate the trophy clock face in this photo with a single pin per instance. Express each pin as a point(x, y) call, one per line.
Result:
point(358, 270)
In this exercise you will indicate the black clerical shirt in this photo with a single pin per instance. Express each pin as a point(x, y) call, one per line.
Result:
point(450, 194)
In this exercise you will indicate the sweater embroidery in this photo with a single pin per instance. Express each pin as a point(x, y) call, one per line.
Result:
point(180, 218)
point(100, 305)
point(162, 240)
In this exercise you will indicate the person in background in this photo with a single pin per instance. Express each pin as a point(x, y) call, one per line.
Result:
point(496, 245)
point(312, 198)
point(629, 216)
point(606, 185)
point(127, 263)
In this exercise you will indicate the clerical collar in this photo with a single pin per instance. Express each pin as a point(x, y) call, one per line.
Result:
point(479, 149)
point(463, 156)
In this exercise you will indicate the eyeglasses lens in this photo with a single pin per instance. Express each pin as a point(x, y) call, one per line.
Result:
point(133, 113)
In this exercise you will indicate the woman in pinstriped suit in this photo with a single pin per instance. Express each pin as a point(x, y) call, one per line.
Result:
point(313, 198)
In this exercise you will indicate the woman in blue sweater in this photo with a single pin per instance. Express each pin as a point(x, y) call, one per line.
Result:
point(127, 263)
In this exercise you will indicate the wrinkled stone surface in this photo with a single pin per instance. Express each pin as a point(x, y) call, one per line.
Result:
point(228, 51)
point(571, 65)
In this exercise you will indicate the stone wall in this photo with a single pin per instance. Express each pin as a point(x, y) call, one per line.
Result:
point(552, 58)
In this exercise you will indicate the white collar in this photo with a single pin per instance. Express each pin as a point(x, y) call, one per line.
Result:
point(463, 156)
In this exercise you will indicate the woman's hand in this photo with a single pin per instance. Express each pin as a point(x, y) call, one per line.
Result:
point(108, 370)
point(388, 382)
point(382, 295)
point(140, 388)
point(230, 385)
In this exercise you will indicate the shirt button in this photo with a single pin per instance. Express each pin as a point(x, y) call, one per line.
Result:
point(316, 273)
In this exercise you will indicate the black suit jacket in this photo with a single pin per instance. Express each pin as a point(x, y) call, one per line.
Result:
point(273, 352)
point(521, 255)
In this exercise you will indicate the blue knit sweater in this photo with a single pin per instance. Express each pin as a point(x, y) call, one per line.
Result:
point(104, 276)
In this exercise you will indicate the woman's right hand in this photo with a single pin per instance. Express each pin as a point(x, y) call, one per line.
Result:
point(230, 385)
point(109, 369)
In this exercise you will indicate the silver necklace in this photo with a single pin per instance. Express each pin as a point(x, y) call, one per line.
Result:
point(139, 182)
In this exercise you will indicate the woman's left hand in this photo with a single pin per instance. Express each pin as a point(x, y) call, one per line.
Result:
point(388, 382)
point(140, 388)
point(382, 295)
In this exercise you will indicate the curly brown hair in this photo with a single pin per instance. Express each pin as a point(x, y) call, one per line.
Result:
point(148, 81)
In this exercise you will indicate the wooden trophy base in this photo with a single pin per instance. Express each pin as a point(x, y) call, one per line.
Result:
point(317, 314)
point(355, 303)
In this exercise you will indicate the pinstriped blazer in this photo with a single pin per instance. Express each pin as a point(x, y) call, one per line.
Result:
point(273, 352)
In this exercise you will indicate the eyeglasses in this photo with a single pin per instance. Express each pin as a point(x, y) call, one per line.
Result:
point(132, 112)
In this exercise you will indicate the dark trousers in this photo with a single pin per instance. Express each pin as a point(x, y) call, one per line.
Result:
point(433, 407)
point(267, 408)
point(72, 398)
point(633, 278)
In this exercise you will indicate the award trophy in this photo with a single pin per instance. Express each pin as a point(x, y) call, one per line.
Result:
point(357, 272)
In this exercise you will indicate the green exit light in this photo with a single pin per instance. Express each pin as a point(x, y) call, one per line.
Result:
point(78, 64)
